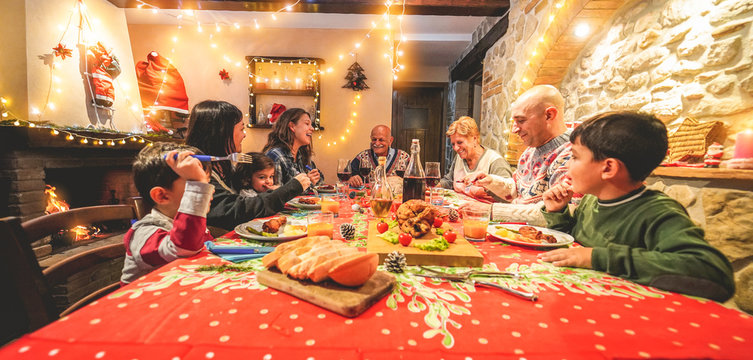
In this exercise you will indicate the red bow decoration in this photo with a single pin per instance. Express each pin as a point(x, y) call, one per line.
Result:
point(62, 51)
point(224, 75)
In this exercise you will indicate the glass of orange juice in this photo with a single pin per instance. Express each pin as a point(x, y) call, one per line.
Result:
point(475, 222)
point(330, 205)
point(321, 223)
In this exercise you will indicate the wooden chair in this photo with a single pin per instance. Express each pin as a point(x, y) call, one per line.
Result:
point(27, 303)
point(138, 204)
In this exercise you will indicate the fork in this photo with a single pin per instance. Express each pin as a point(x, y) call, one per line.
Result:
point(466, 277)
point(234, 157)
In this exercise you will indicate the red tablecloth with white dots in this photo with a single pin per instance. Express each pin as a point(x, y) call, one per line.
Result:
point(178, 313)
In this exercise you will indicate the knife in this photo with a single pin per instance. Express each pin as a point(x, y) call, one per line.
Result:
point(218, 249)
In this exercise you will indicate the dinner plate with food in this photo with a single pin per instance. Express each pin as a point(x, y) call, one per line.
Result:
point(279, 228)
point(326, 189)
point(306, 203)
point(531, 236)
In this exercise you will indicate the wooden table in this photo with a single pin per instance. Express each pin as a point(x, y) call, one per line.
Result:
point(178, 313)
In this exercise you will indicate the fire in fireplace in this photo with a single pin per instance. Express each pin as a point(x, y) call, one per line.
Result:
point(67, 237)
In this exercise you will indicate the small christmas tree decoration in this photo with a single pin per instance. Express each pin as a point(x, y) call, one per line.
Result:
point(395, 262)
point(348, 231)
point(355, 78)
point(453, 216)
point(224, 75)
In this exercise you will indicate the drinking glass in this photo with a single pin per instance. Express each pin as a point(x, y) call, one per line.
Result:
point(436, 197)
point(330, 205)
point(475, 222)
point(432, 174)
point(321, 223)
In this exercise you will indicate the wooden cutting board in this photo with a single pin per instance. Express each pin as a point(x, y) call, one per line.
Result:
point(460, 253)
point(343, 300)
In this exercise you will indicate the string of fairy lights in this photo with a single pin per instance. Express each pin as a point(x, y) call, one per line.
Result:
point(536, 57)
point(190, 17)
point(393, 55)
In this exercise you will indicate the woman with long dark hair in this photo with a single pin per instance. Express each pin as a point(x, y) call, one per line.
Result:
point(217, 128)
point(289, 145)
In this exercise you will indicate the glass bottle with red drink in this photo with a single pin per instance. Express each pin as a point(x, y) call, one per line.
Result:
point(414, 183)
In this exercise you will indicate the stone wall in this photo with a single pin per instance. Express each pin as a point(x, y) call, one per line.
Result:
point(510, 67)
point(671, 58)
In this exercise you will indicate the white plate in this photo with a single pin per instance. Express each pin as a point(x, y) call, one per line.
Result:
point(562, 238)
point(295, 203)
point(257, 225)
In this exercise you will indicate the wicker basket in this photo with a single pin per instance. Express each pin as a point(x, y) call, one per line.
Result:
point(692, 138)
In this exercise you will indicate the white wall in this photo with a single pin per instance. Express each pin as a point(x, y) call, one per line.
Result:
point(199, 64)
point(45, 21)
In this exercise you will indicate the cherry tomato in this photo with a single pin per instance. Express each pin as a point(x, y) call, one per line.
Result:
point(438, 222)
point(404, 239)
point(450, 236)
point(382, 227)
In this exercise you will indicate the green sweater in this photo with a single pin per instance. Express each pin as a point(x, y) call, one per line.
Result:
point(647, 237)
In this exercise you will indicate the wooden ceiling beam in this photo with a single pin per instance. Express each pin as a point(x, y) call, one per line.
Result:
point(412, 7)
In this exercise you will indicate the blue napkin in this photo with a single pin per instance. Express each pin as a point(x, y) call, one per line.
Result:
point(240, 258)
point(238, 253)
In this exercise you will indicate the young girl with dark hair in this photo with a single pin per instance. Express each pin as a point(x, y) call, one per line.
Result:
point(217, 128)
point(255, 178)
point(289, 145)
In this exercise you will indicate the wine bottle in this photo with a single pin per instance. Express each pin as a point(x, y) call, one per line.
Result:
point(414, 184)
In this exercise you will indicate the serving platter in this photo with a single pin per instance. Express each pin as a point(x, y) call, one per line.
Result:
point(256, 224)
point(562, 238)
point(460, 253)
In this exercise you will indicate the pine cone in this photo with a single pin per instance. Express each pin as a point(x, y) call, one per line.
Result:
point(348, 231)
point(395, 262)
point(453, 216)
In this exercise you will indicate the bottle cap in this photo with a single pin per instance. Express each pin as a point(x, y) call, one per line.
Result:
point(414, 141)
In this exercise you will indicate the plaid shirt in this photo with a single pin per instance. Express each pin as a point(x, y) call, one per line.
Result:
point(287, 168)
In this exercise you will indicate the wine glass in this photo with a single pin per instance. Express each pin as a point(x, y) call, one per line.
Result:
point(432, 180)
point(400, 171)
point(343, 174)
point(432, 174)
point(364, 170)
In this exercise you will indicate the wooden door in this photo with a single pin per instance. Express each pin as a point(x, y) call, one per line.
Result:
point(417, 113)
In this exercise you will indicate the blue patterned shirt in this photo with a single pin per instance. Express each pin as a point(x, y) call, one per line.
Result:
point(287, 168)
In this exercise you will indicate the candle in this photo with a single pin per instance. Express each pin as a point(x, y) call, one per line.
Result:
point(744, 145)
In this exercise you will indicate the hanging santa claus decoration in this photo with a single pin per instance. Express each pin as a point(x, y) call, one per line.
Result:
point(103, 67)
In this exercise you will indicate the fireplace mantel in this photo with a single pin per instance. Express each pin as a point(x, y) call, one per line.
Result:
point(23, 137)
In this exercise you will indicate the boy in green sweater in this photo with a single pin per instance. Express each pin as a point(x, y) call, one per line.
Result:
point(625, 229)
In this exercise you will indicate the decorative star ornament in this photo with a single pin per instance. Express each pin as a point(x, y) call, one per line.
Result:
point(62, 51)
point(224, 75)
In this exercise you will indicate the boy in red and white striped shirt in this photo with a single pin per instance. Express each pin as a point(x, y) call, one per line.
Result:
point(177, 187)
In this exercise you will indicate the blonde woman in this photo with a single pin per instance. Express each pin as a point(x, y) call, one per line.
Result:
point(471, 158)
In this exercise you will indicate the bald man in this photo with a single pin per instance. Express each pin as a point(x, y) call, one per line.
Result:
point(537, 117)
point(381, 140)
